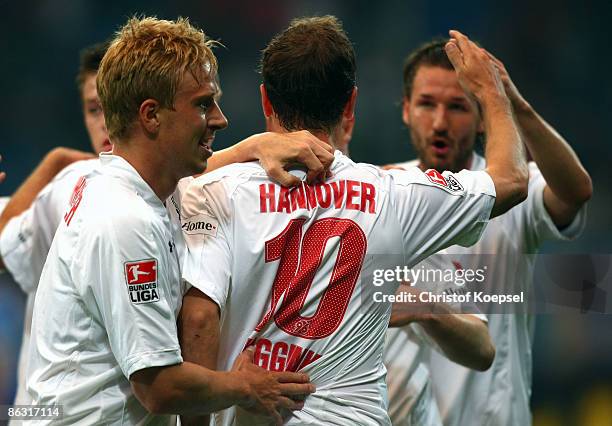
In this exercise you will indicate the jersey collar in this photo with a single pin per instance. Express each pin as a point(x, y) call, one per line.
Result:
point(118, 167)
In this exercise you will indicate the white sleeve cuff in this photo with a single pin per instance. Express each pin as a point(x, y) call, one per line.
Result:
point(570, 232)
point(14, 254)
point(142, 360)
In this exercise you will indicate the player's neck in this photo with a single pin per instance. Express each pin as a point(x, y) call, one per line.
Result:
point(151, 168)
point(274, 126)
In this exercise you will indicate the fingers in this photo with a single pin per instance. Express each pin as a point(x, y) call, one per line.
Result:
point(290, 404)
point(289, 377)
point(282, 176)
point(493, 58)
point(248, 355)
point(245, 357)
point(316, 155)
point(462, 42)
point(467, 48)
point(323, 151)
point(314, 141)
point(2, 176)
point(315, 167)
point(294, 389)
point(454, 54)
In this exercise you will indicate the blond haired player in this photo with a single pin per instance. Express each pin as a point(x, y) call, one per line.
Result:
point(104, 341)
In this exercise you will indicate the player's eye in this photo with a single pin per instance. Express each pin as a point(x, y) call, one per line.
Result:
point(457, 107)
point(206, 104)
point(425, 103)
point(94, 109)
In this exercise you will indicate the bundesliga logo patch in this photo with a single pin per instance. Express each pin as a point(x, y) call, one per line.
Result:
point(141, 278)
point(448, 182)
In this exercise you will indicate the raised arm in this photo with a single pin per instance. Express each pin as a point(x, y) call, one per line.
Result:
point(568, 185)
point(504, 151)
point(51, 165)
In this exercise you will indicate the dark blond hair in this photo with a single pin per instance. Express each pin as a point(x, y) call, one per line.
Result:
point(147, 59)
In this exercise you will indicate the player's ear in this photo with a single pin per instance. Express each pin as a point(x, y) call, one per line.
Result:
point(266, 105)
point(481, 126)
point(406, 111)
point(149, 116)
point(349, 108)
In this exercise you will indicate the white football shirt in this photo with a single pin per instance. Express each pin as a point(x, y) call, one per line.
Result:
point(291, 269)
point(108, 299)
point(408, 349)
point(500, 395)
point(25, 242)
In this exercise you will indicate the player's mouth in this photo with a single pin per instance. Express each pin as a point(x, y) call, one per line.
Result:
point(106, 145)
point(440, 147)
point(206, 145)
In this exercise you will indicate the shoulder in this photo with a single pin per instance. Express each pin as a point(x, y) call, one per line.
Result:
point(110, 206)
point(76, 169)
point(231, 172)
point(408, 164)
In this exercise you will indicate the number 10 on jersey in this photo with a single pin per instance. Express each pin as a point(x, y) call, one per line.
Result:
point(299, 260)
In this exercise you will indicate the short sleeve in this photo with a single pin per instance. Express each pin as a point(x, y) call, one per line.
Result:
point(540, 225)
point(26, 238)
point(206, 230)
point(438, 210)
point(125, 278)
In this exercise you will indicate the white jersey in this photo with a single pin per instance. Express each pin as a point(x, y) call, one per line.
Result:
point(500, 395)
point(7, 280)
point(407, 352)
point(25, 242)
point(291, 270)
point(107, 302)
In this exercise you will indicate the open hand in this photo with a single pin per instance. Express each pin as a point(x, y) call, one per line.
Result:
point(476, 71)
point(271, 391)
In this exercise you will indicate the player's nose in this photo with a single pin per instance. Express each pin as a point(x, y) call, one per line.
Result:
point(217, 120)
point(440, 119)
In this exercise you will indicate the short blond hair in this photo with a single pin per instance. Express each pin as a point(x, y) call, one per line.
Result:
point(147, 59)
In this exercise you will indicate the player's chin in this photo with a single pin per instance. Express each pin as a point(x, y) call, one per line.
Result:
point(200, 167)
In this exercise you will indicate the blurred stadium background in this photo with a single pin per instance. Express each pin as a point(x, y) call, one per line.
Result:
point(558, 53)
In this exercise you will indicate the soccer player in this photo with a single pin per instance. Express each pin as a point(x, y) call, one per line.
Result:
point(457, 330)
point(32, 215)
point(444, 123)
point(104, 328)
point(290, 273)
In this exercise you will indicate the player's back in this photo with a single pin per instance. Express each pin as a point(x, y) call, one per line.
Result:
point(291, 271)
point(297, 295)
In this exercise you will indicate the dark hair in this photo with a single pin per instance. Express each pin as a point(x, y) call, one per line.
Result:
point(432, 54)
point(90, 58)
point(308, 71)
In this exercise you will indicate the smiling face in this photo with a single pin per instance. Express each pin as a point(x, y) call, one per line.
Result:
point(442, 119)
point(93, 115)
point(188, 129)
